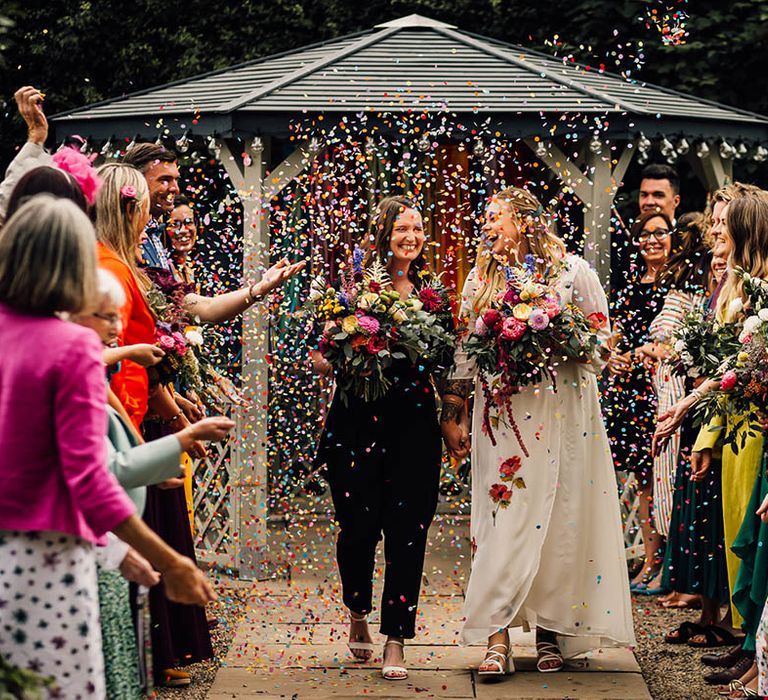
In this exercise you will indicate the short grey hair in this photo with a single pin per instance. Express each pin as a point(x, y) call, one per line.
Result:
point(110, 288)
point(48, 258)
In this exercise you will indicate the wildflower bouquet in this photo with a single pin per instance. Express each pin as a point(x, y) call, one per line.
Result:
point(743, 390)
point(700, 344)
point(522, 338)
point(367, 326)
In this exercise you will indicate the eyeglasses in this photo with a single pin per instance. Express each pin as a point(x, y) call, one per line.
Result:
point(659, 234)
point(112, 319)
point(177, 224)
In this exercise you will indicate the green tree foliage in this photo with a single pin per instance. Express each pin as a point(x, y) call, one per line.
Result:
point(82, 51)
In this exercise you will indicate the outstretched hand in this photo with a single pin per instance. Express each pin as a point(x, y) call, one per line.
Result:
point(279, 273)
point(668, 422)
point(30, 103)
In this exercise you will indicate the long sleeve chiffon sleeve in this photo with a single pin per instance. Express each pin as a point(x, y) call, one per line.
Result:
point(589, 296)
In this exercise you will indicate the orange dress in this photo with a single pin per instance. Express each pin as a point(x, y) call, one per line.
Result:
point(130, 384)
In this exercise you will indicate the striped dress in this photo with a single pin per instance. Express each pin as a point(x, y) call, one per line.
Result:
point(669, 389)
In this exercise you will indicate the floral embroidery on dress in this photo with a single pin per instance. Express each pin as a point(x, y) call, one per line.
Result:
point(501, 494)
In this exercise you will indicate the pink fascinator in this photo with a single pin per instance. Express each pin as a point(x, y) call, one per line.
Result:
point(79, 167)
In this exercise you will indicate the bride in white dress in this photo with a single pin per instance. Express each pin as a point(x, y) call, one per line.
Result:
point(552, 556)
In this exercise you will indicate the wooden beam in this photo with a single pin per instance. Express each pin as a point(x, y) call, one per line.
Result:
point(289, 169)
point(568, 172)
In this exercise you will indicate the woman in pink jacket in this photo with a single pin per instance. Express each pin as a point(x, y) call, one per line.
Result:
point(57, 499)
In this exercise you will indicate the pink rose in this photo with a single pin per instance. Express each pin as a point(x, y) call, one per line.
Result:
point(728, 381)
point(128, 192)
point(552, 307)
point(491, 318)
point(166, 342)
point(512, 297)
point(181, 342)
point(512, 329)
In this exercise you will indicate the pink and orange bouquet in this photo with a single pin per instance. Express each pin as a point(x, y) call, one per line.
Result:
point(521, 339)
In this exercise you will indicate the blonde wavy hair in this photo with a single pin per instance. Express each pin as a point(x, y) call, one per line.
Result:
point(532, 222)
point(747, 225)
point(118, 217)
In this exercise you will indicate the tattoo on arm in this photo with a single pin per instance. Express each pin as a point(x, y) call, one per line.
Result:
point(457, 387)
point(452, 411)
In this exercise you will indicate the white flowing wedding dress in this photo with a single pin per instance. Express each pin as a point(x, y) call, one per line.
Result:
point(554, 556)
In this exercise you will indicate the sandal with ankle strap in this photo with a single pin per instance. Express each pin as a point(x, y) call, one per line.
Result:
point(394, 673)
point(548, 651)
point(360, 646)
point(502, 662)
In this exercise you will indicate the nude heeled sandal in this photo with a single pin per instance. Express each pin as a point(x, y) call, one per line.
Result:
point(360, 646)
point(394, 673)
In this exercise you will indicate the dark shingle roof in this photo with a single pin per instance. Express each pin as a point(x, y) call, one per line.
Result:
point(411, 63)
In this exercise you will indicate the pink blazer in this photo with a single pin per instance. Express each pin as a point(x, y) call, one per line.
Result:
point(53, 459)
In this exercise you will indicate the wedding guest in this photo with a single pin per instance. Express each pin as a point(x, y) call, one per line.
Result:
point(182, 229)
point(628, 398)
point(383, 459)
point(659, 191)
point(135, 467)
point(57, 498)
point(68, 161)
point(554, 559)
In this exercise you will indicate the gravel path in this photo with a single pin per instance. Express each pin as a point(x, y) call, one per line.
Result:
point(671, 672)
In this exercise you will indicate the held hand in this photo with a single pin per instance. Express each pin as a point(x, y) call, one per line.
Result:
point(30, 103)
point(762, 511)
point(700, 462)
point(191, 410)
point(211, 429)
point(456, 437)
point(277, 274)
point(668, 422)
point(145, 354)
point(619, 363)
point(137, 569)
point(185, 583)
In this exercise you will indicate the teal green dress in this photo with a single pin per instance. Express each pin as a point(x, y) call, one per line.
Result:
point(751, 547)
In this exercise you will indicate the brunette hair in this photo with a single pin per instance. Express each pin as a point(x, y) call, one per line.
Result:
point(48, 258)
point(380, 235)
point(687, 268)
point(143, 155)
point(661, 171)
point(45, 180)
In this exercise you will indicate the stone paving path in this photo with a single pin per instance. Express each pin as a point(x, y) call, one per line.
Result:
point(291, 637)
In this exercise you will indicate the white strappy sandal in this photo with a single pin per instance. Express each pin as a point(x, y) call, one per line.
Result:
point(547, 651)
point(360, 646)
point(394, 673)
point(501, 662)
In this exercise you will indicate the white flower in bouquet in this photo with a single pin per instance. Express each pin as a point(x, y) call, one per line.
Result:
point(686, 357)
point(317, 289)
point(763, 314)
point(679, 346)
point(751, 324)
point(367, 301)
point(194, 338)
point(398, 313)
point(736, 306)
point(416, 305)
point(694, 373)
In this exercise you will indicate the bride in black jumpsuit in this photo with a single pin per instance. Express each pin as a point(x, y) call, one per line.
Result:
point(383, 461)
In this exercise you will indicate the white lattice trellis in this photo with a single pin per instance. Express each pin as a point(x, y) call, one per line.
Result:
point(215, 501)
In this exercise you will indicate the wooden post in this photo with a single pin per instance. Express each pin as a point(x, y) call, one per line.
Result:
point(596, 188)
point(713, 170)
point(251, 487)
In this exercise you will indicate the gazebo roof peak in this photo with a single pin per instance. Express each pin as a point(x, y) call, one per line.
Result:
point(415, 20)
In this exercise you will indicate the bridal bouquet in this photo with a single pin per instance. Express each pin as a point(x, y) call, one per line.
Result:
point(743, 390)
point(522, 338)
point(700, 344)
point(367, 326)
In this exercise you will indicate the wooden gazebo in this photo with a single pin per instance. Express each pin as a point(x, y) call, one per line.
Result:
point(583, 124)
